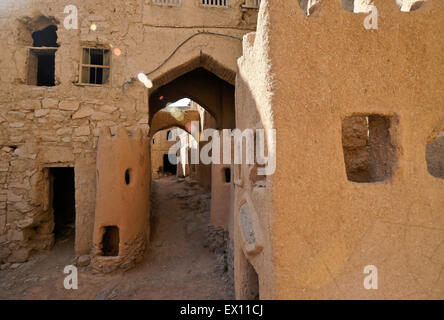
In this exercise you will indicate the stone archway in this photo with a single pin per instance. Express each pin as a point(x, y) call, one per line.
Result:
point(211, 86)
point(202, 86)
point(163, 120)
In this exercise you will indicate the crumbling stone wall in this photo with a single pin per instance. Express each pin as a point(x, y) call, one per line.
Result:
point(43, 127)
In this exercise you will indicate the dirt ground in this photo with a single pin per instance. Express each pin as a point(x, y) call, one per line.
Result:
point(178, 264)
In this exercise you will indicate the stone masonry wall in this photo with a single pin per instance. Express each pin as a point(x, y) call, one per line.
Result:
point(42, 127)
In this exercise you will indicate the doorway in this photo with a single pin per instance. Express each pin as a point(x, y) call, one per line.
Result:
point(168, 167)
point(63, 201)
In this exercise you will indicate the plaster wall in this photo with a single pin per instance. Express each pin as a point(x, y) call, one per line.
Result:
point(324, 229)
point(159, 147)
point(128, 176)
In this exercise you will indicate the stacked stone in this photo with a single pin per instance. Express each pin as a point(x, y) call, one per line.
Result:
point(42, 131)
point(4, 168)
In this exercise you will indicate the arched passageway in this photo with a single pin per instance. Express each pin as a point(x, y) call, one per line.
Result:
point(214, 94)
point(192, 189)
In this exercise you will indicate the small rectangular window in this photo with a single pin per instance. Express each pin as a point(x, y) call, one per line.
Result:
point(95, 66)
point(41, 66)
point(167, 2)
point(214, 3)
point(227, 172)
point(370, 152)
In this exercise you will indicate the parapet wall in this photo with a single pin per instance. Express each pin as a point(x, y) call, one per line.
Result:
point(324, 228)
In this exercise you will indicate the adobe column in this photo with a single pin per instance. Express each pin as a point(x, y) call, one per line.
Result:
point(121, 228)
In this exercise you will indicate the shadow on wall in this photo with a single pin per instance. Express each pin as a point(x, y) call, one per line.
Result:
point(435, 157)
point(251, 285)
point(252, 202)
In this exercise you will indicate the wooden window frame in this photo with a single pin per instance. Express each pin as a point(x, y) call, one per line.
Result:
point(31, 79)
point(82, 65)
point(204, 5)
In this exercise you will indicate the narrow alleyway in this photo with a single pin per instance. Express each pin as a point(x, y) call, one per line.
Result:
point(178, 264)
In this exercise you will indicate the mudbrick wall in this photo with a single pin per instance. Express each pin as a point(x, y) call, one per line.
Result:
point(121, 227)
point(306, 77)
point(44, 127)
point(164, 121)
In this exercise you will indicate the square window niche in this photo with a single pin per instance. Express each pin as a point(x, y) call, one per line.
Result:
point(370, 153)
point(435, 156)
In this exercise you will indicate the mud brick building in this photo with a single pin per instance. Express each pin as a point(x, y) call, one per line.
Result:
point(358, 114)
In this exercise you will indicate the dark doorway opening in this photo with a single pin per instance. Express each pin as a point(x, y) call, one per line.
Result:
point(46, 69)
point(168, 167)
point(110, 242)
point(63, 201)
point(227, 172)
